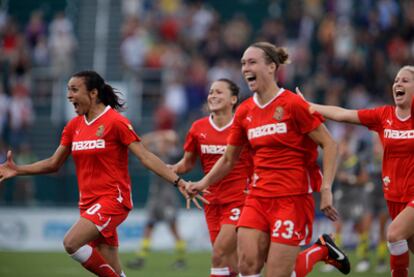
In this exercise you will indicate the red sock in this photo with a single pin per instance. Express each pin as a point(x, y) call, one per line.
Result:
point(99, 266)
point(399, 265)
point(308, 258)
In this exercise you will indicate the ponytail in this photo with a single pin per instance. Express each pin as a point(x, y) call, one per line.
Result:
point(106, 94)
point(273, 54)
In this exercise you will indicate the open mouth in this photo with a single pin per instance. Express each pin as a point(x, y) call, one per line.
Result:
point(250, 78)
point(399, 93)
point(76, 106)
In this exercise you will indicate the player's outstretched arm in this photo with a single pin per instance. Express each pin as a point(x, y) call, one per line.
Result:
point(185, 164)
point(52, 164)
point(156, 165)
point(8, 169)
point(334, 112)
point(220, 169)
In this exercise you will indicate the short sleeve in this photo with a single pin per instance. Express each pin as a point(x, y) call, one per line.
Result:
point(190, 144)
point(67, 134)
point(370, 118)
point(412, 113)
point(306, 119)
point(126, 132)
point(237, 136)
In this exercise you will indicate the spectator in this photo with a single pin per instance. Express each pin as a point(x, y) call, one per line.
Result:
point(21, 115)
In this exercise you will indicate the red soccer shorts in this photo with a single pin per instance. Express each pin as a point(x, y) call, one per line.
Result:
point(107, 214)
point(219, 214)
point(394, 208)
point(287, 219)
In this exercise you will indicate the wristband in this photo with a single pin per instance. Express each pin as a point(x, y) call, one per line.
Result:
point(175, 183)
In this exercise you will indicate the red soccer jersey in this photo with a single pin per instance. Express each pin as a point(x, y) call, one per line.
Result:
point(209, 143)
point(100, 152)
point(397, 137)
point(284, 156)
point(412, 113)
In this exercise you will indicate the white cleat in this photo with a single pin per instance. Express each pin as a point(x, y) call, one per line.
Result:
point(362, 266)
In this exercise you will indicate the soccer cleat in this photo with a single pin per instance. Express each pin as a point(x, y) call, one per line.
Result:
point(137, 263)
point(335, 257)
point(381, 267)
point(363, 265)
point(179, 264)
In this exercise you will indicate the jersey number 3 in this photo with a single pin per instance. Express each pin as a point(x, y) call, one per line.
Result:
point(235, 214)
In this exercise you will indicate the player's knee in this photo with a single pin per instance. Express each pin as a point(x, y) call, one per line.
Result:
point(394, 234)
point(70, 245)
point(248, 264)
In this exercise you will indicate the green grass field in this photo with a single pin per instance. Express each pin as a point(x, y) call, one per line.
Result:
point(45, 264)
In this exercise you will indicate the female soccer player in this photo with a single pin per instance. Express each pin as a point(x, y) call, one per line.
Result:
point(98, 140)
point(207, 139)
point(283, 134)
point(395, 128)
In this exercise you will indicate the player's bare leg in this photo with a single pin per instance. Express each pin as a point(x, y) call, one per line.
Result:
point(75, 243)
point(402, 227)
point(225, 249)
point(111, 255)
point(252, 248)
point(281, 260)
point(82, 232)
point(400, 230)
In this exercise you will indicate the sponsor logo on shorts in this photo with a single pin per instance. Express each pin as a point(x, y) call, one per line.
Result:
point(88, 145)
point(267, 130)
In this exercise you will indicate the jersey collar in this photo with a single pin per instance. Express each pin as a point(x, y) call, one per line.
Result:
point(399, 118)
point(210, 119)
point(107, 108)
point(281, 90)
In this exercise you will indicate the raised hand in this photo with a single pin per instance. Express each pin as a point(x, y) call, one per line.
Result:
point(8, 169)
point(197, 187)
point(191, 195)
point(326, 205)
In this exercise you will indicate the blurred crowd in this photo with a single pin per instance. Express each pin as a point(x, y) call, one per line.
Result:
point(36, 44)
point(341, 52)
